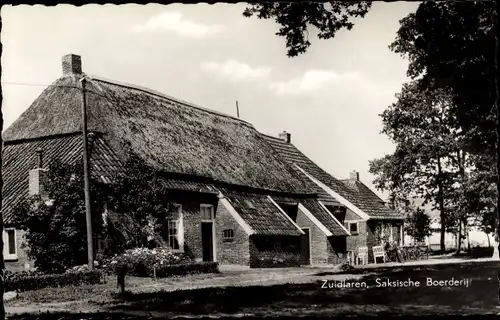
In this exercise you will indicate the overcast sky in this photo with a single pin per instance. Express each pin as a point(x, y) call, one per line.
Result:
point(329, 99)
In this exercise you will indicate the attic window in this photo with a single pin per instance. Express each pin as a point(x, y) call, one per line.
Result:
point(249, 204)
point(228, 235)
point(353, 227)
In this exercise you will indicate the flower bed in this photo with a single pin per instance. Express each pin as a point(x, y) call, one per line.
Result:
point(143, 262)
point(26, 281)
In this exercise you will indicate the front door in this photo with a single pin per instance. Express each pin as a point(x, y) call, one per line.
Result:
point(207, 241)
point(305, 249)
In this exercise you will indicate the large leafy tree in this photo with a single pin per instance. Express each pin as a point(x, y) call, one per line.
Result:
point(426, 141)
point(296, 18)
point(452, 46)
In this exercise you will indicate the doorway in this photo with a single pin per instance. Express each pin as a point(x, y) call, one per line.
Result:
point(305, 248)
point(207, 240)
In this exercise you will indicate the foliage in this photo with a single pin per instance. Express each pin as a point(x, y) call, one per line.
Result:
point(295, 18)
point(127, 214)
point(418, 225)
point(140, 205)
point(407, 253)
point(56, 229)
point(160, 262)
point(24, 281)
point(444, 121)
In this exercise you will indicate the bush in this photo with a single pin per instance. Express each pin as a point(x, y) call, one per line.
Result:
point(26, 281)
point(143, 262)
point(482, 252)
point(185, 269)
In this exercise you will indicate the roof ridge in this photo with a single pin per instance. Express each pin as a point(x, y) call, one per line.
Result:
point(165, 96)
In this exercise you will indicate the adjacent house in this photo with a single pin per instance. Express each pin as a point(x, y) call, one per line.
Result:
point(368, 219)
point(239, 199)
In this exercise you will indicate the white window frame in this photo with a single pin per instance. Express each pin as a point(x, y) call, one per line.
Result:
point(179, 224)
point(6, 248)
point(357, 227)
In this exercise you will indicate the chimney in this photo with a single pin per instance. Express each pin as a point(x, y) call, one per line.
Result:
point(38, 178)
point(72, 65)
point(285, 136)
point(354, 176)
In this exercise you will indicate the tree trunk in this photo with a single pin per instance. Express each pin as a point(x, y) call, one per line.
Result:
point(441, 206)
point(489, 242)
point(459, 238)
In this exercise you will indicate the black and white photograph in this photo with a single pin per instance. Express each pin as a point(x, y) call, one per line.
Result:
point(247, 160)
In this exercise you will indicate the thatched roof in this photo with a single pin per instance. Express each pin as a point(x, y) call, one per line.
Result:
point(355, 192)
point(168, 134)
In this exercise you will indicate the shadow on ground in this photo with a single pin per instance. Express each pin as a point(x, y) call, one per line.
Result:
point(479, 295)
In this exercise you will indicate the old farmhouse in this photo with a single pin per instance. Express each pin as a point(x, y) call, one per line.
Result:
point(368, 219)
point(244, 198)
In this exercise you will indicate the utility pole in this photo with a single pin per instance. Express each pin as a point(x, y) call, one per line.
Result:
point(86, 173)
point(237, 109)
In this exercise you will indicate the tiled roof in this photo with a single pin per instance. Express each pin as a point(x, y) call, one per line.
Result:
point(20, 157)
point(260, 213)
point(355, 192)
point(324, 217)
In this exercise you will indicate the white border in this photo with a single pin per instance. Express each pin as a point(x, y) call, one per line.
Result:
point(5, 238)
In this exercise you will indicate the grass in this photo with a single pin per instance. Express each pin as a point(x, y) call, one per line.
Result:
point(295, 293)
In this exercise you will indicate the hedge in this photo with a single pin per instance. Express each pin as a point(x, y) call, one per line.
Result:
point(23, 282)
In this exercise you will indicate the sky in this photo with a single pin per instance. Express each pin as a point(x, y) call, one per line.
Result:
point(329, 99)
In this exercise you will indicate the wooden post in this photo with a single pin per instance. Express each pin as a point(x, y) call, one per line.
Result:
point(86, 173)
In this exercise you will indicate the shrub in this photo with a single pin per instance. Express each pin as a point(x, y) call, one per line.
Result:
point(160, 262)
point(25, 281)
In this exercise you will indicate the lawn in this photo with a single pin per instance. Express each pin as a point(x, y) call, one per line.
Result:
point(283, 292)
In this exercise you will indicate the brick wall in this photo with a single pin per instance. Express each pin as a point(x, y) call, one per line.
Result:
point(191, 202)
point(236, 251)
point(357, 240)
point(261, 256)
point(318, 239)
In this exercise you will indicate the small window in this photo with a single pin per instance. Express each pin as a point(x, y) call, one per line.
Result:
point(353, 227)
point(228, 235)
point(206, 212)
point(11, 234)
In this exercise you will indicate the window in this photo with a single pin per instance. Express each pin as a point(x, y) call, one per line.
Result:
point(353, 227)
point(175, 232)
point(228, 235)
point(206, 211)
point(11, 234)
point(10, 244)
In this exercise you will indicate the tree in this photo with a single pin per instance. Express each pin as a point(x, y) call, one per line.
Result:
point(418, 224)
point(452, 46)
point(56, 229)
point(295, 18)
point(426, 139)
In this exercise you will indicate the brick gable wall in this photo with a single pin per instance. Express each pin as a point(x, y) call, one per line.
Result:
point(234, 252)
point(318, 241)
